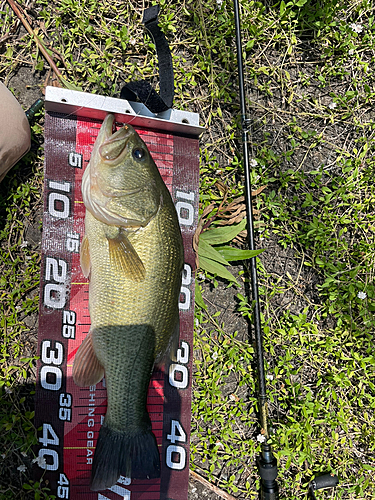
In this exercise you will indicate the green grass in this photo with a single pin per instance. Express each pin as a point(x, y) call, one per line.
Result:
point(309, 71)
point(20, 200)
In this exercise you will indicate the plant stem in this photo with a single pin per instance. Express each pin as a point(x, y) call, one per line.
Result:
point(39, 43)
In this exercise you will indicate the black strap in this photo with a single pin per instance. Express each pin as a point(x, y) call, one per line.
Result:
point(142, 90)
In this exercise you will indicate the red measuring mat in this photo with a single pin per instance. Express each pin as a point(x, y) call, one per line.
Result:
point(68, 417)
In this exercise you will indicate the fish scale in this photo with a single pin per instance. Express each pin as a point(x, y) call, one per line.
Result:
point(115, 301)
point(134, 254)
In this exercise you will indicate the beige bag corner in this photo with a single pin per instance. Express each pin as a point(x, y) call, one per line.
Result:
point(15, 139)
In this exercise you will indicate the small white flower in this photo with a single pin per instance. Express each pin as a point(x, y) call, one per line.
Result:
point(3, 455)
point(230, 366)
point(215, 355)
point(253, 163)
point(132, 41)
point(361, 295)
point(219, 3)
point(269, 376)
point(357, 28)
point(24, 244)
point(232, 397)
point(261, 438)
point(196, 321)
point(41, 461)
point(201, 276)
point(332, 105)
point(23, 454)
point(21, 468)
point(351, 52)
point(219, 444)
point(8, 390)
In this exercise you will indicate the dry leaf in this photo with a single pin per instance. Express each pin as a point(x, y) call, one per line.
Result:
point(225, 215)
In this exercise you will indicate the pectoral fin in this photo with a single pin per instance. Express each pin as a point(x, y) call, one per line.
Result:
point(85, 257)
point(124, 258)
point(86, 368)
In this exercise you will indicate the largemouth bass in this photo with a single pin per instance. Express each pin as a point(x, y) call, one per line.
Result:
point(133, 252)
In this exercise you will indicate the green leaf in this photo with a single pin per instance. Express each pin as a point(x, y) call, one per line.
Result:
point(231, 253)
point(69, 85)
point(198, 296)
point(367, 467)
point(215, 268)
point(222, 234)
point(206, 250)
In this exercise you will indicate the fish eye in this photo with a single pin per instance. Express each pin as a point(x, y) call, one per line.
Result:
point(138, 153)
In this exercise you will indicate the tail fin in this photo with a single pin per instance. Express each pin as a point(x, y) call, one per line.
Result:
point(118, 454)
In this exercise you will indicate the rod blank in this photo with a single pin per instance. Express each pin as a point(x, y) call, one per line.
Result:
point(267, 465)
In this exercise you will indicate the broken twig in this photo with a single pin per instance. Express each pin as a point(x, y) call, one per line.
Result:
point(212, 487)
point(16, 9)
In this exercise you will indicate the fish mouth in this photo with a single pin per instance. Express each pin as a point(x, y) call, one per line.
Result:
point(109, 148)
point(112, 144)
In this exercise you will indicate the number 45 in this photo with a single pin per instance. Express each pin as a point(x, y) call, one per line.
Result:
point(62, 490)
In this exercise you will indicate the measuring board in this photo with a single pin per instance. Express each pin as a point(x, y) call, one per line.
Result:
point(68, 417)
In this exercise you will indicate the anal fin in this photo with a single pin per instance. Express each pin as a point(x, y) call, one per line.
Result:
point(86, 368)
point(124, 258)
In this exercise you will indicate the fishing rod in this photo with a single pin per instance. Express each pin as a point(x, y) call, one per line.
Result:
point(266, 462)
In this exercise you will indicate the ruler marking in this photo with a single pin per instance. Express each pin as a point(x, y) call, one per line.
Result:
point(162, 147)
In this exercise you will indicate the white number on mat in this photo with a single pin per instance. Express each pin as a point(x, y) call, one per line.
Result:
point(185, 210)
point(51, 457)
point(69, 325)
point(51, 376)
point(185, 290)
point(58, 203)
point(63, 488)
point(177, 432)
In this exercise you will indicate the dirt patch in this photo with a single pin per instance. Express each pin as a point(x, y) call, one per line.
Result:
point(26, 85)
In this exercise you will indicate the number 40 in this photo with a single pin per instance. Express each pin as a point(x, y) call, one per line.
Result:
point(178, 452)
